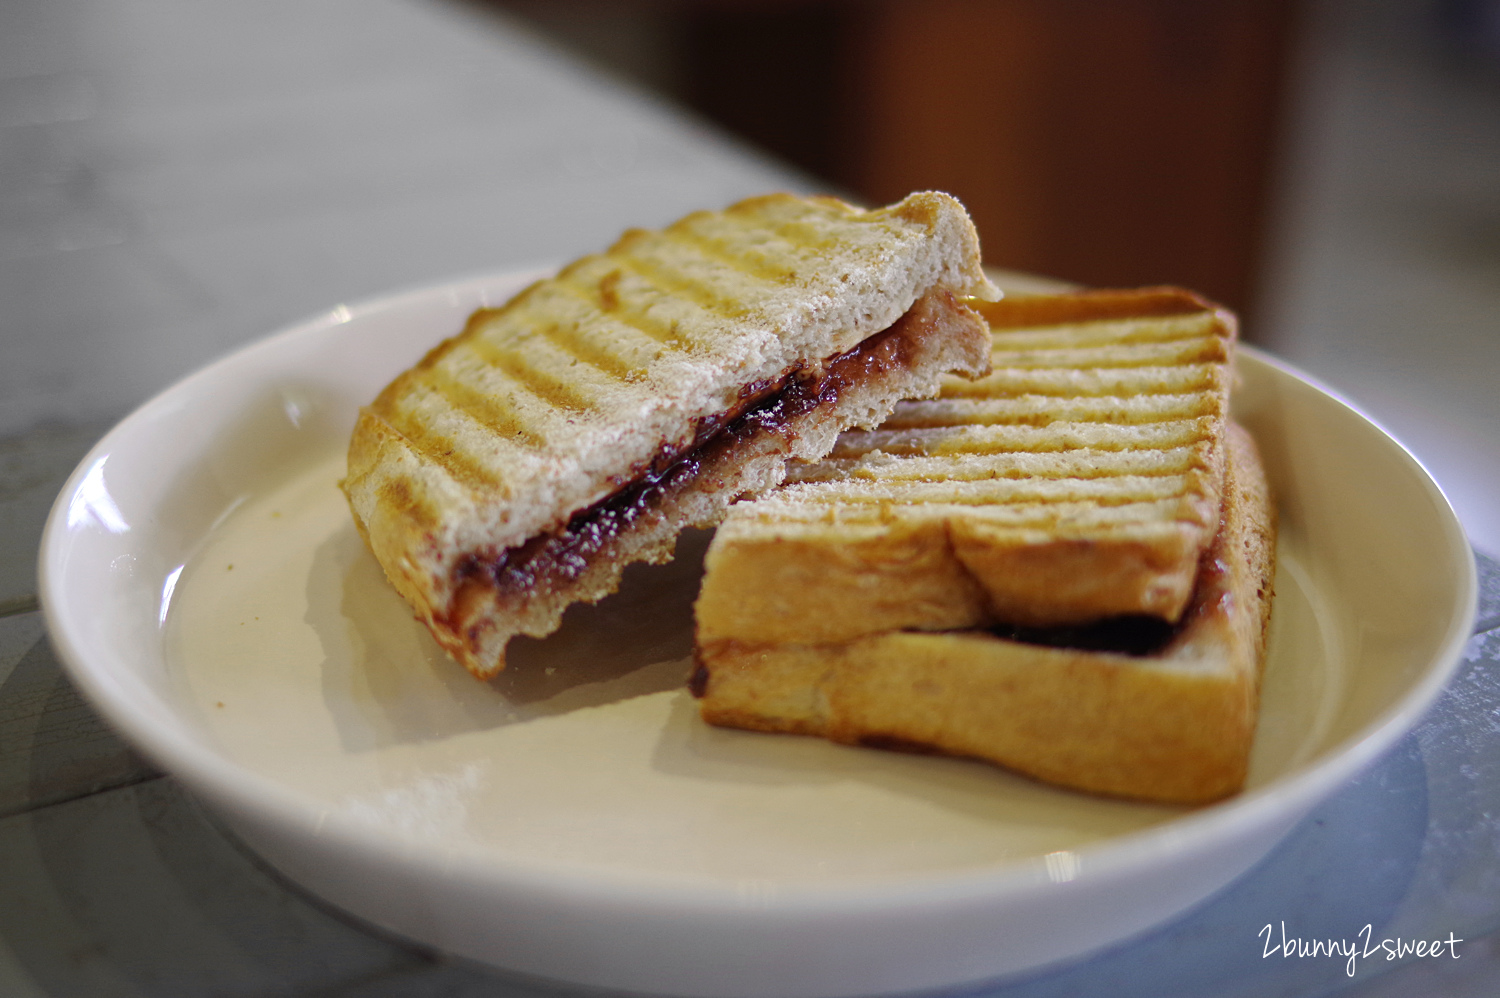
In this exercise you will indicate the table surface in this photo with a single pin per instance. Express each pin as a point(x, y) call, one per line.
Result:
point(179, 177)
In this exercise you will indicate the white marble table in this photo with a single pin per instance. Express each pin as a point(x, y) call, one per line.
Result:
point(180, 176)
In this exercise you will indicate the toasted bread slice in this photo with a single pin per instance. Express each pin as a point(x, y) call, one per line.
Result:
point(1174, 724)
point(523, 463)
point(1081, 479)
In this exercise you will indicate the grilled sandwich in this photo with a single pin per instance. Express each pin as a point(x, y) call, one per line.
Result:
point(523, 463)
point(1080, 480)
point(1064, 568)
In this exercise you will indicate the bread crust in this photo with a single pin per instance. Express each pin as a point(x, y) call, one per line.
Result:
point(583, 383)
point(1176, 726)
point(1081, 479)
point(939, 334)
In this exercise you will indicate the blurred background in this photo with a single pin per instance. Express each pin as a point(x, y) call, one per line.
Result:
point(1119, 143)
point(1330, 168)
point(177, 178)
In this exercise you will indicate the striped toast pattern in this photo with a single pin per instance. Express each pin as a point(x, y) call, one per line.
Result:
point(594, 380)
point(1173, 723)
point(615, 334)
point(1081, 479)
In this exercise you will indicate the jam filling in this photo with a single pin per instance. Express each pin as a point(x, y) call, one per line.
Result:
point(1135, 634)
point(768, 406)
point(1139, 635)
point(698, 678)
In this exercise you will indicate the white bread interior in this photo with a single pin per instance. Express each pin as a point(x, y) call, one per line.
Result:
point(1175, 726)
point(550, 404)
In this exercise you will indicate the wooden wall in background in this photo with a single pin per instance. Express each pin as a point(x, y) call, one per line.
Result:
point(1112, 142)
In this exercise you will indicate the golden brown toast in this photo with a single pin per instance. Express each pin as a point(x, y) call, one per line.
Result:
point(523, 463)
point(1172, 723)
point(1080, 479)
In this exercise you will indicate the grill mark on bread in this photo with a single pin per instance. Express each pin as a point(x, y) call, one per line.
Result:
point(441, 450)
point(432, 446)
point(525, 375)
point(1016, 491)
point(1049, 310)
point(1116, 332)
point(790, 220)
point(799, 232)
point(490, 411)
point(1083, 462)
point(1118, 491)
point(660, 283)
point(799, 238)
point(763, 408)
point(1137, 732)
point(1094, 486)
point(625, 313)
point(1024, 439)
point(738, 258)
point(800, 222)
point(1102, 521)
point(487, 355)
point(672, 280)
point(1039, 410)
point(569, 339)
point(1172, 353)
point(1037, 439)
point(697, 365)
point(493, 413)
point(1097, 381)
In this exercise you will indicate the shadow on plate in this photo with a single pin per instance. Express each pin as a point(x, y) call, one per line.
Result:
point(387, 682)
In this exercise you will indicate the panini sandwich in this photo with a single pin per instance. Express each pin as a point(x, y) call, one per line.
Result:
point(523, 463)
point(1064, 568)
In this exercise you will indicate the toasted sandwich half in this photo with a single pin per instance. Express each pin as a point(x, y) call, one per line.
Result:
point(1064, 568)
point(522, 464)
point(1081, 479)
point(1125, 708)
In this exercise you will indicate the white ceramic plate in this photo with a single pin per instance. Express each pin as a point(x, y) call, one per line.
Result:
point(573, 819)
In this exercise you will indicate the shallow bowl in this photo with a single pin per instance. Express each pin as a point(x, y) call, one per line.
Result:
point(206, 590)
